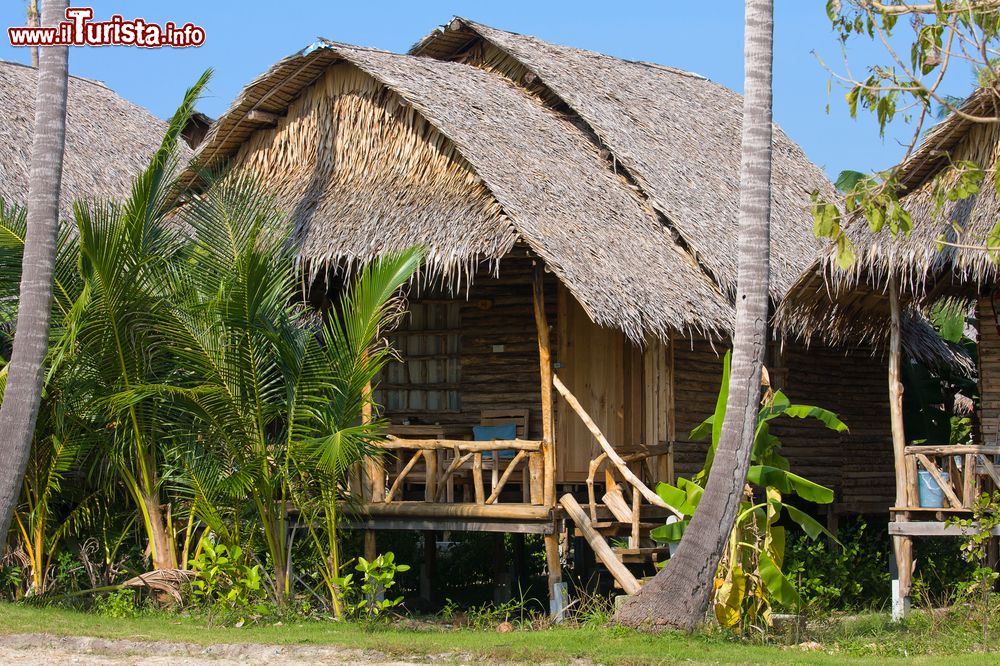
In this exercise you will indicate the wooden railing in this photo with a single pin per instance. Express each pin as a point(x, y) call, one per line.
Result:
point(441, 460)
point(609, 451)
point(962, 472)
point(613, 498)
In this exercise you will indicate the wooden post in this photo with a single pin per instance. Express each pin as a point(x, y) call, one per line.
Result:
point(375, 471)
point(905, 486)
point(477, 477)
point(545, 370)
point(428, 570)
point(548, 432)
point(430, 478)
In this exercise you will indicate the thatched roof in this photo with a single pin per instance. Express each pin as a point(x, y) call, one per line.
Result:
point(545, 183)
point(851, 303)
point(676, 134)
point(108, 139)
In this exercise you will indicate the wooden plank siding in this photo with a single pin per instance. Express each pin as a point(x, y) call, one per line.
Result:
point(989, 373)
point(498, 347)
point(647, 396)
point(857, 465)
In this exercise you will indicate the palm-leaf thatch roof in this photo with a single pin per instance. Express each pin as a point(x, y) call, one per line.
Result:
point(853, 302)
point(547, 185)
point(108, 139)
point(676, 134)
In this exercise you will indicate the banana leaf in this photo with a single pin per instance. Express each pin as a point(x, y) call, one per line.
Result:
point(780, 588)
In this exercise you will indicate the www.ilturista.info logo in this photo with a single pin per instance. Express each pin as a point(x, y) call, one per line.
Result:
point(79, 30)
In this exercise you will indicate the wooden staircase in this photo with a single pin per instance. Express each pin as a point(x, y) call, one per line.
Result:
point(629, 562)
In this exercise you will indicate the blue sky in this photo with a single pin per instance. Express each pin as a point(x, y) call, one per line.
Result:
point(244, 39)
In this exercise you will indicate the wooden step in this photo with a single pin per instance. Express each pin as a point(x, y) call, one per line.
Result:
point(615, 528)
point(642, 555)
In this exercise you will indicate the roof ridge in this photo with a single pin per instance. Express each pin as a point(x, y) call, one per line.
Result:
point(644, 63)
point(96, 82)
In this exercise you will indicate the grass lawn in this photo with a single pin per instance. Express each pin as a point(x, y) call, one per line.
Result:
point(857, 641)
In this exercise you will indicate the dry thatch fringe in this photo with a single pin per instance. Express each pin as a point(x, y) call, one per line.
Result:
point(675, 133)
point(542, 173)
point(826, 298)
point(350, 152)
point(920, 341)
point(108, 139)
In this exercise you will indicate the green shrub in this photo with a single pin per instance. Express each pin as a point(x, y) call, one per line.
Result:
point(852, 576)
point(223, 578)
point(367, 598)
point(118, 604)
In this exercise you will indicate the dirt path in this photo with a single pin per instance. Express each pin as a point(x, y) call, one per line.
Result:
point(50, 650)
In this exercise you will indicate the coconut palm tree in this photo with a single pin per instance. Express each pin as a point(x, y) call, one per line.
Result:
point(678, 595)
point(20, 405)
point(274, 395)
point(108, 306)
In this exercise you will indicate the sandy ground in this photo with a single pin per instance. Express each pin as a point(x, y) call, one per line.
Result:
point(49, 650)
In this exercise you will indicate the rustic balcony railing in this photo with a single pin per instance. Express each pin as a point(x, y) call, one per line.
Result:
point(437, 463)
point(960, 472)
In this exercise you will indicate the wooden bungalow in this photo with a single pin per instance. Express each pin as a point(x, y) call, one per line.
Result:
point(579, 215)
point(944, 256)
point(108, 139)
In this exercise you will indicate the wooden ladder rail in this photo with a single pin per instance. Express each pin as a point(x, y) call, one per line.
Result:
point(600, 547)
point(613, 455)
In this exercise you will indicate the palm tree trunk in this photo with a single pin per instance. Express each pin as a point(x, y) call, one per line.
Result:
point(33, 22)
point(24, 381)
point(679, 594)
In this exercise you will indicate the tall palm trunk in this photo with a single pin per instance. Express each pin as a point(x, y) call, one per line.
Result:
point(33, 22)
point(24, 381)
point(679, 594)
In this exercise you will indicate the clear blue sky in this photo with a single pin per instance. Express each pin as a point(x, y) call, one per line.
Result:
point(244, 39)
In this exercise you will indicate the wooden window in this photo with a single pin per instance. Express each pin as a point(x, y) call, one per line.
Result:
point(428, 374)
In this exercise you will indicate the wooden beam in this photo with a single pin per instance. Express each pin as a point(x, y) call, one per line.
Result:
point(548, 425)
point(945, 486)
point(419, 509)
point(931, 529)
point(462, 445)
point(600, 547)
point(904, 496)
point(477, 477)
point(613, 456)
point(450, 525)
point(262, 117)
point(990, 469)
point(402, 475)
point(430, 478)
point(457, 462)
point(959, 449)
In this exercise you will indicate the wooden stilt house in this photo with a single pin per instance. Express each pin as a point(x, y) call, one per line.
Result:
point(579, 215)
point(945, 256)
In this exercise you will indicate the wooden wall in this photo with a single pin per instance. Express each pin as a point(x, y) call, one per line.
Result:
point(629, 392)
point(498, 347)
point(857, 465)
point(604, 373)
point(989, 373)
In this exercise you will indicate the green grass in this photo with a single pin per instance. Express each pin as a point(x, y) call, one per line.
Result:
point(857, 641)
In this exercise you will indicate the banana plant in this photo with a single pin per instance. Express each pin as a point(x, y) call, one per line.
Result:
point(750, 576)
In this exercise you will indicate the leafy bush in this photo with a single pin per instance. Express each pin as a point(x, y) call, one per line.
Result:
point(851, 576)
point(223, 578)
point(119, 604)
point(368, 601)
